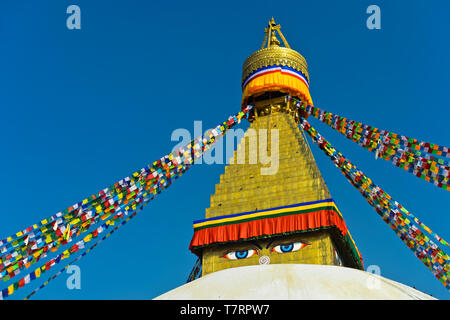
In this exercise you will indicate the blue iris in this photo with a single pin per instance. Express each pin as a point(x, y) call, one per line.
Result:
point(241, 254)
point(287, 247)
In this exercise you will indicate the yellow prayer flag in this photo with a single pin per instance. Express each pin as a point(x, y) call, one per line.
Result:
point(11, 289)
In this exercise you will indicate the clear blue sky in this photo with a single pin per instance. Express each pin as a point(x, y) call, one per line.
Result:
point(83, 109)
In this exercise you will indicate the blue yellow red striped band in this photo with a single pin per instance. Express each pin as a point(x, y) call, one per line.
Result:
point(267, 213)
point(270, 69)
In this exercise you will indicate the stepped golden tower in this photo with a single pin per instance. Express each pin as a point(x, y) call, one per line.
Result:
point(272, 205)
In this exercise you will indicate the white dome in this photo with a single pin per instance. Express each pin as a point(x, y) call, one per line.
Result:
point(292, 281)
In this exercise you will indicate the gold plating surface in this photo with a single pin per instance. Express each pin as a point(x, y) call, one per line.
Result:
point(274, 56)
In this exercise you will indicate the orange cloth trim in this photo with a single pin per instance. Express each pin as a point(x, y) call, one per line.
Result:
point(268, 226)
point(277, 81)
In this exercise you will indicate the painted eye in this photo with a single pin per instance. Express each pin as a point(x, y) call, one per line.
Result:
point(235, 255)
point(289, 247)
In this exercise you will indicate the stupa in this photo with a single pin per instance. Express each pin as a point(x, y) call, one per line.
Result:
point(273, 230)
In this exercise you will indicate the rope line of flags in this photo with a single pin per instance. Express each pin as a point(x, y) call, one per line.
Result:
point(394, 214)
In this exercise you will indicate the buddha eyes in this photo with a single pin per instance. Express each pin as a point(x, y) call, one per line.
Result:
point(289, 247)
point(281, 248)
point(236, 255)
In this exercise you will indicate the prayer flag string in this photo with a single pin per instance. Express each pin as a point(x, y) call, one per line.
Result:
point(113, 207)
point(86, 252)
point(405, 153)
point(79, 257)
point(390, 210)
point(196, 270)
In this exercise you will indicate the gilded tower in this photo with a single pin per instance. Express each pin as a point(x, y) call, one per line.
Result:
point(272, 205)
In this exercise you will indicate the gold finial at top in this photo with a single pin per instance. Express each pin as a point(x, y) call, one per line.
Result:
point(270, 35)
point(273, 40)
point(272, 53)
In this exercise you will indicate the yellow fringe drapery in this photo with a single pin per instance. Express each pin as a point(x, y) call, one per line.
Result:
point(277, 81)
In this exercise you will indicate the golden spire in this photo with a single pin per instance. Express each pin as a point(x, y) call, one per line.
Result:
point(272, 54)
point(270, 33)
